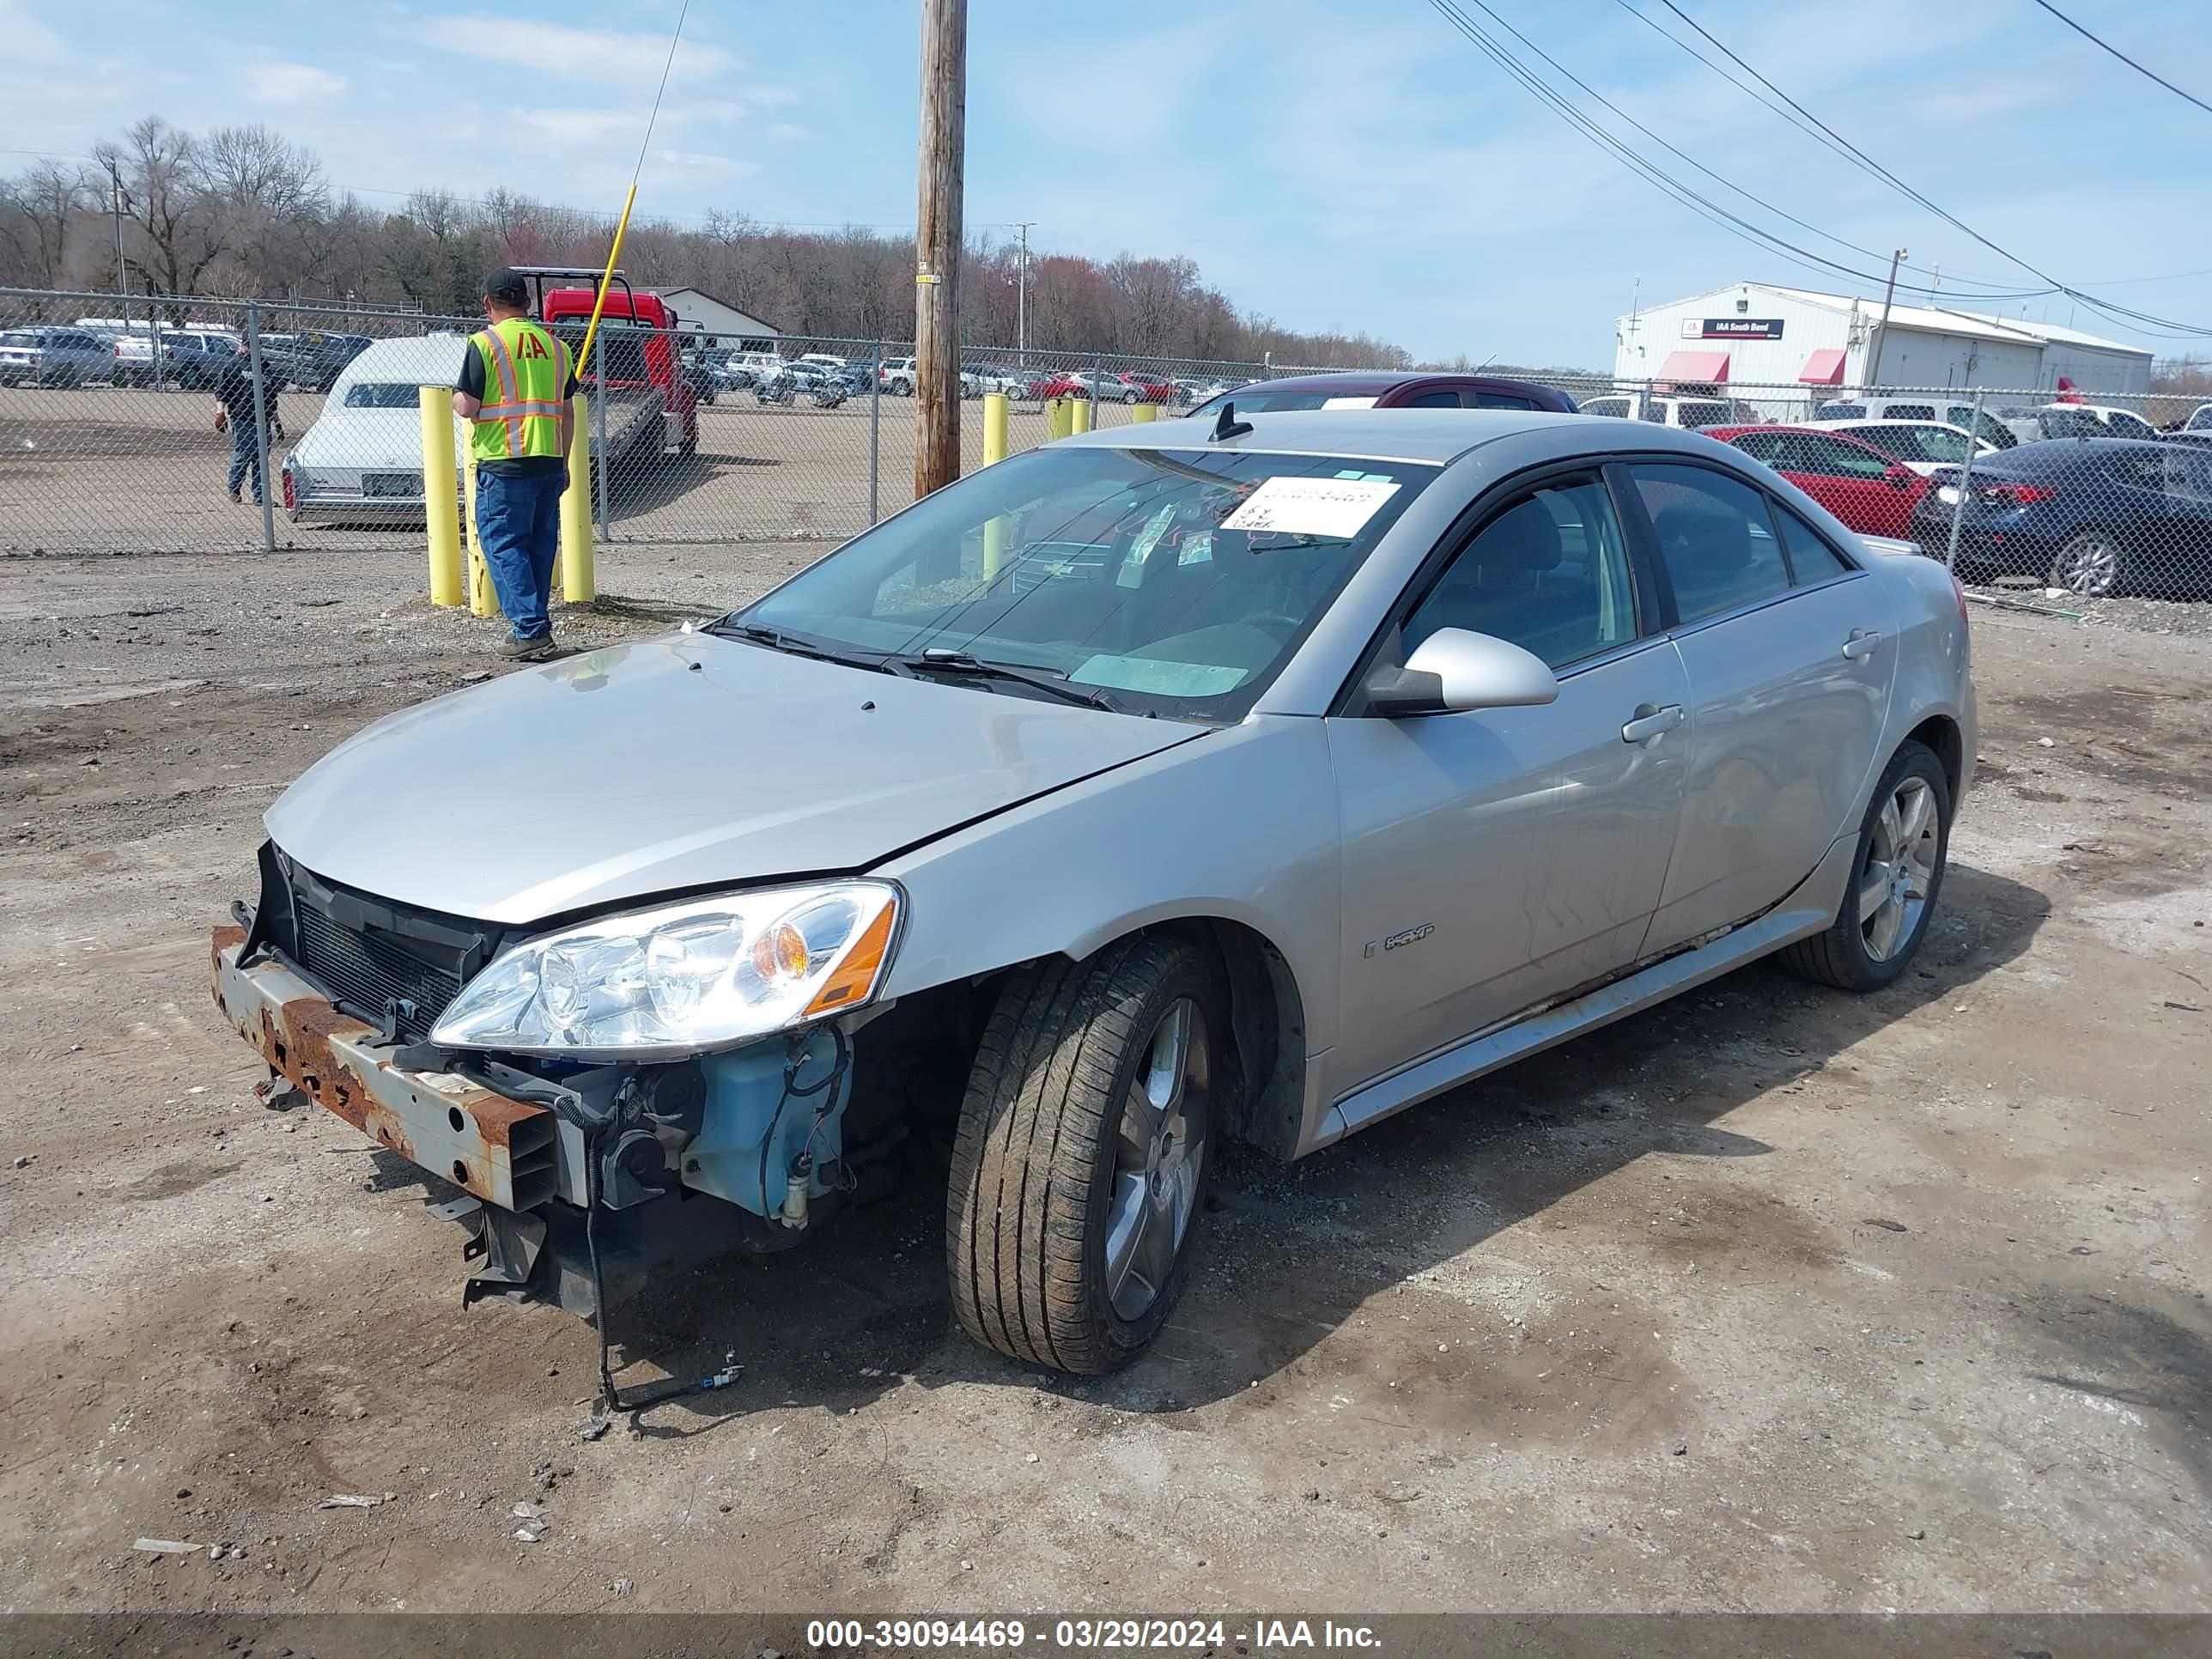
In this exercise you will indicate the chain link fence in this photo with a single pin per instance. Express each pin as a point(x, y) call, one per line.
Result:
point(130, 425)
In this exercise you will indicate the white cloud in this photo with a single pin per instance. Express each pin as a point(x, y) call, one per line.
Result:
point(574, 132)
point(604, 55)
point(291, 83)
point(785, 133)
point(692, 161)
point(771, 97)
point(29, 41)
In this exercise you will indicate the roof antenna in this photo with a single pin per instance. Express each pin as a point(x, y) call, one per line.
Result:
point(1228, 426)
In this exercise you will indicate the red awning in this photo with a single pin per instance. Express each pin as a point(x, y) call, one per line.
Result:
point(1705, 367)
point(1822, 369)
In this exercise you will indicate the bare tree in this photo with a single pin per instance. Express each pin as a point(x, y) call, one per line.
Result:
point(45, 199)
point(166, 193)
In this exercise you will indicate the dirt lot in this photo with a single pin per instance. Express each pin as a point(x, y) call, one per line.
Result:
point(1772, 1299)
point(142, 470)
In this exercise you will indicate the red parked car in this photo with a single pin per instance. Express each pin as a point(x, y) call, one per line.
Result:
point(1149, 388)
point(1871, 492)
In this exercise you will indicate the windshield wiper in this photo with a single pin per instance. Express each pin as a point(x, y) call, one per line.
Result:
point(776, 640)
point(941, 659)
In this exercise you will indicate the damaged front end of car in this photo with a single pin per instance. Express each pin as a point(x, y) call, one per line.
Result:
point(590, 1085)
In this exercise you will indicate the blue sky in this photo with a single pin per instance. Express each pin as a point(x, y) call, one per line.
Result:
point(1353, 164)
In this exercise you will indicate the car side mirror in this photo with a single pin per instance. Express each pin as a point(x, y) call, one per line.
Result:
point(1455, 670)
point(1900, 478)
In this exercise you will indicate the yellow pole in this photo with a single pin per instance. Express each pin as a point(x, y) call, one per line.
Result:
point(483, 601)
point(1080, 408)
point(994, 427)
point(1145, 412)
point(1057, 419)
point(614, 258)
point(578, 584)
point(440, 489)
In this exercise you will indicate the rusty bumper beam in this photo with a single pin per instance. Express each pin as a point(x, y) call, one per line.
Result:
point(501, 1150)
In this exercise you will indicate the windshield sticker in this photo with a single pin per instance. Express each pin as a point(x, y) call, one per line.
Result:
point(1347, 403)
point(1337, 508)
point(1158, 676)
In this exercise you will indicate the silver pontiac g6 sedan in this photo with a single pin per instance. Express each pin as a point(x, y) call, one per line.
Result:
point(1180, 781)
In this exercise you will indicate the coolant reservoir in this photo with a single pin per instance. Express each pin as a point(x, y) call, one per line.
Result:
point(743, 1088)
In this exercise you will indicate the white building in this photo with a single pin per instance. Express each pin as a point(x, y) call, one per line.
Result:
point(1753, 335)
point(718, 323)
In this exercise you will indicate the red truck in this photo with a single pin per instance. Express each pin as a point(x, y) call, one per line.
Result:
point(650, 409)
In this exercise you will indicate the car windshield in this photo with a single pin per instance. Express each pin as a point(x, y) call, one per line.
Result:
point(1920, 443)
point(1176, 582)
point(383, 394)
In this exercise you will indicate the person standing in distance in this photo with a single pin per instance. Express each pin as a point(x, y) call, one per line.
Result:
point(237, 393)
point(515, 386)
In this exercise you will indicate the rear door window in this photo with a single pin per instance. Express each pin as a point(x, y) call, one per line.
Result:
point(1433, 400)
point(1695, 414)
point(1910, 412)
point(1616, 407)
point(1811, 558)
point(1716, 539)
point(1495, 400)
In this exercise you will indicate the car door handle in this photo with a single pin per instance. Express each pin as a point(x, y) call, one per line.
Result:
point(1650, 720)
point(1861, 644)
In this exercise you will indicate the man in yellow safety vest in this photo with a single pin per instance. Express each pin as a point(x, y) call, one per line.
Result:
point(515, 386)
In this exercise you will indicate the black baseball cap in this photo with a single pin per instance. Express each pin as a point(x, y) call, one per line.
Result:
point(506, 286)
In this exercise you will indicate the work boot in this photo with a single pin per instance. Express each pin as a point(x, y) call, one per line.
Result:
point(531, 650)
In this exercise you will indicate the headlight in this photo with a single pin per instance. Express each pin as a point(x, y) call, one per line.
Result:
point(685, 978)
point(1948, 494)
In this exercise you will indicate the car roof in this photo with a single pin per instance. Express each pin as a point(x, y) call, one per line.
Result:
point(1364, 382)
point(427, 360)
point(1877, 420)
point(1431, 436)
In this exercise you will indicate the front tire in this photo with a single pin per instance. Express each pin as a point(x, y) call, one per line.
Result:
point(1085, 1142)
point(1904, 843)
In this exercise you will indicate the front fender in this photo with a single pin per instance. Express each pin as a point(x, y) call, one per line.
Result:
point(1241, 825)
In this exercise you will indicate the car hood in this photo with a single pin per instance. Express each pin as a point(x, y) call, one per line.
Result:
point(679, 763)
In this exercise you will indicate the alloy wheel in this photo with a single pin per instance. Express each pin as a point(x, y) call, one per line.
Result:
point(1159, 1153)
point(1899, 871)
point(2089, 565)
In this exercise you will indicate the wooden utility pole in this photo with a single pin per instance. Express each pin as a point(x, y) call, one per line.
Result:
point(1881, 330)
point(937, 246)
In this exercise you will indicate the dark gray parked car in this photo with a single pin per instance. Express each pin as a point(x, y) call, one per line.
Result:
point(1176, 782)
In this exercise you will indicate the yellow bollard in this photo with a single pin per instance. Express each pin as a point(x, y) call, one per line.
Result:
point(1081, 409)
point(1145, 412)
point(994, 427)
point(579, 574)
point(439, 492)
point(482, 602)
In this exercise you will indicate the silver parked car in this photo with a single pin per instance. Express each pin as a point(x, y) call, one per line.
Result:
point(1173, 783)
point(54, 357)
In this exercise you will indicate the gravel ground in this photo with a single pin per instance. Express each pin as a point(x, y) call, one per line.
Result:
point(1768, 1300)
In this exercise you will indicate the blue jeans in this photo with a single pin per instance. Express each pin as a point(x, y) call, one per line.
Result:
point(518, 522)
point(245, 458)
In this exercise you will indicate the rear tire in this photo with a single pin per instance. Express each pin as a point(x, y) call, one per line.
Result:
point(1896, 879)
point(1084, 1143)
point(2093, 564)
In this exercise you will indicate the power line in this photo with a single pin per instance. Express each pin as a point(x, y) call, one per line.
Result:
point(2108, 46)
point(2140, 322)
point(1734, 223)
point(1728, 184)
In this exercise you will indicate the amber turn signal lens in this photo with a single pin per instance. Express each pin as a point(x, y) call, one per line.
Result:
point(855, 976)
point(780, 953)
